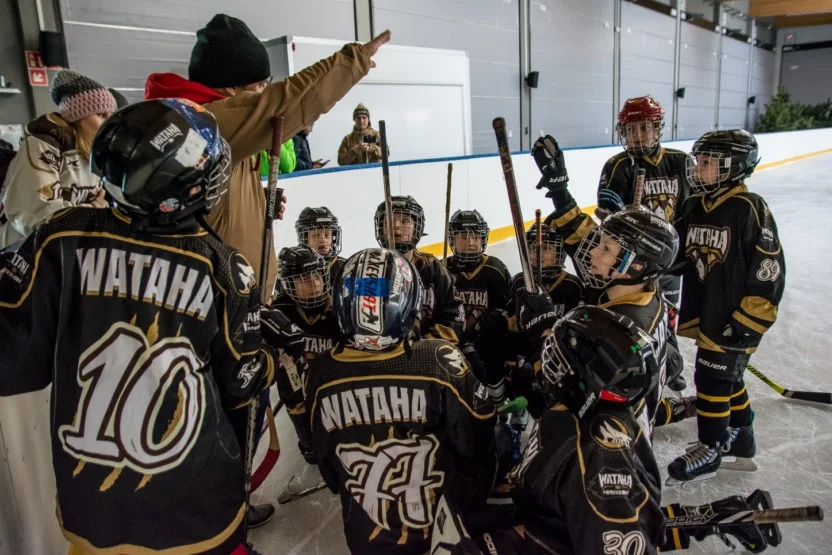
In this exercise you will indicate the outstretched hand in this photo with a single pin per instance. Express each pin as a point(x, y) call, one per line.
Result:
point(373, 46)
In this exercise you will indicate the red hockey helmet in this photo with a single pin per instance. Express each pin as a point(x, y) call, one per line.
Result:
point(637, 138)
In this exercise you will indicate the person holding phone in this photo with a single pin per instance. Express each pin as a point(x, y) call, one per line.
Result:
point(363, 145)
point(303, 153)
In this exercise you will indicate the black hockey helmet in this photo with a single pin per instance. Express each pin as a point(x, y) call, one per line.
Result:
point(313, 219)
point(550, 239)
point(377, 299)
point(734, 152)
point(405, 206)
point(648, 247)
point(594, 355)
point(469, 223)
point(303, 276)
point(152, 154)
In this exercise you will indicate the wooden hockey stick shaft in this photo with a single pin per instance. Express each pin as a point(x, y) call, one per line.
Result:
point(388, 199)
point(274, 196)
point(638, 193)
point(499, 125)
point(447, 215)
point(538, 228)
point(764, 516)
point(814, 396)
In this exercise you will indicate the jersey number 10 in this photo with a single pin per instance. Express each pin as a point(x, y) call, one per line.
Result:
point(128, 386)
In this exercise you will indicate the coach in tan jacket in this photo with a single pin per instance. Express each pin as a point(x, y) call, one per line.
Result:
point(230, 75)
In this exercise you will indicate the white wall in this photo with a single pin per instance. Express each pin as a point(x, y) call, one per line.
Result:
point(353, 195)
point(27, 512)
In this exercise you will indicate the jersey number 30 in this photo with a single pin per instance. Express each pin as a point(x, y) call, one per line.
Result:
point(130, 389)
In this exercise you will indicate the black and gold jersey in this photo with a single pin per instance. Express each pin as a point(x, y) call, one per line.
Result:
point(443, 314)
point(394, 432)
point(319, 326)
point(735, 272)
point(482, 288)
point(588, 486)
point(665, 182)
point(149, 341)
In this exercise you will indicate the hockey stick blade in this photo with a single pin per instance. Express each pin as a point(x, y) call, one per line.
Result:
point(499, 125)
point(813, 396)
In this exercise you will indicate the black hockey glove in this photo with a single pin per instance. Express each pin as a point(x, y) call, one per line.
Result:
point(739, 336)
point(549, 159)
point(535, 313)
point(280, 333)
point(721, 518)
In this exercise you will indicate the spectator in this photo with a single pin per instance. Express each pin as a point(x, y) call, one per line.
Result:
point(52, 171)
point(229, 73)
point(303, 154)
point(363, 145)
point(287, 164)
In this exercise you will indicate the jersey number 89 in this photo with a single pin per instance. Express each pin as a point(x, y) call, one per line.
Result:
point(129, 388)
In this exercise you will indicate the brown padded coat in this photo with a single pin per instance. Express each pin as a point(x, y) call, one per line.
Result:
point(350, 151)
point(245, 122)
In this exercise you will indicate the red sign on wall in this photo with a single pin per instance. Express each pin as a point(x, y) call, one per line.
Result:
point(33, 59)
point(37, 72)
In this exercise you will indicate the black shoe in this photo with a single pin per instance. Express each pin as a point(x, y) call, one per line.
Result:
point(258, 515)
point(677, 384)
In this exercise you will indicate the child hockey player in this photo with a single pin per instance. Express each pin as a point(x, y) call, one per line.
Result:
point(306, 301)
point(588, 481)
point(395, 424)
point(149, 331)
point(733, 283)
point(619, 261)
point(318, 229)
point(442, 314)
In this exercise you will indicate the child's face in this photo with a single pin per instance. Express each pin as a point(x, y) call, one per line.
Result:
point(641, 134)
point(550, 255)
point(309, 286)
point(604, 257)
point(319, 240)
point(403, 226)
point(706, 171)
point(467, 242)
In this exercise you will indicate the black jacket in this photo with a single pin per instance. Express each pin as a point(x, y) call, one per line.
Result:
point(302, 152)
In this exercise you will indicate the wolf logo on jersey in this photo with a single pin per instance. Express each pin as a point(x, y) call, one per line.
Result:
point(661, 196)
point(707, 245)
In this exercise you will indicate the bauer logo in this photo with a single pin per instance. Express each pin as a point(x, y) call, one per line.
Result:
point(165, 137)
point(586, 405)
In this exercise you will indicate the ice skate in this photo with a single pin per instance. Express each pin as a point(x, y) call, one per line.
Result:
point(699, 462)
point(739, 448)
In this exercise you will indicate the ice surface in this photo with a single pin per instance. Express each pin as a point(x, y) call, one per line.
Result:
point(794, 439)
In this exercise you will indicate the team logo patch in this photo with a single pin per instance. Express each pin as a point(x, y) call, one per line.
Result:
point(242, 274)
point(248, 372)
point(610, 433)
point(165, 137)
point(707, 245)
point(611, 483)
point(661, 196)
point(51, 159)
point(452, 360)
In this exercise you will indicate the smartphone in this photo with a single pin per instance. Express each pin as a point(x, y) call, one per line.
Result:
point(370, 139)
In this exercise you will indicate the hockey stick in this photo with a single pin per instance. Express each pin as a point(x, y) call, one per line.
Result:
point(814, 396)
point(811, 513)
point(638, 194)
point(538, 226)
point(273, 199)
point(388, 199)
point(447, 216)
point(499, 125)
point(270, 460)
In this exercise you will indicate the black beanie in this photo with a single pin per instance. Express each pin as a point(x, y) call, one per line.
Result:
point(227, 54)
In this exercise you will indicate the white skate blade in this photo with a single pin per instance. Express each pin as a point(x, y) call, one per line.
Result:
point(287, 496)
point(674, 482)
point(740, 464)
